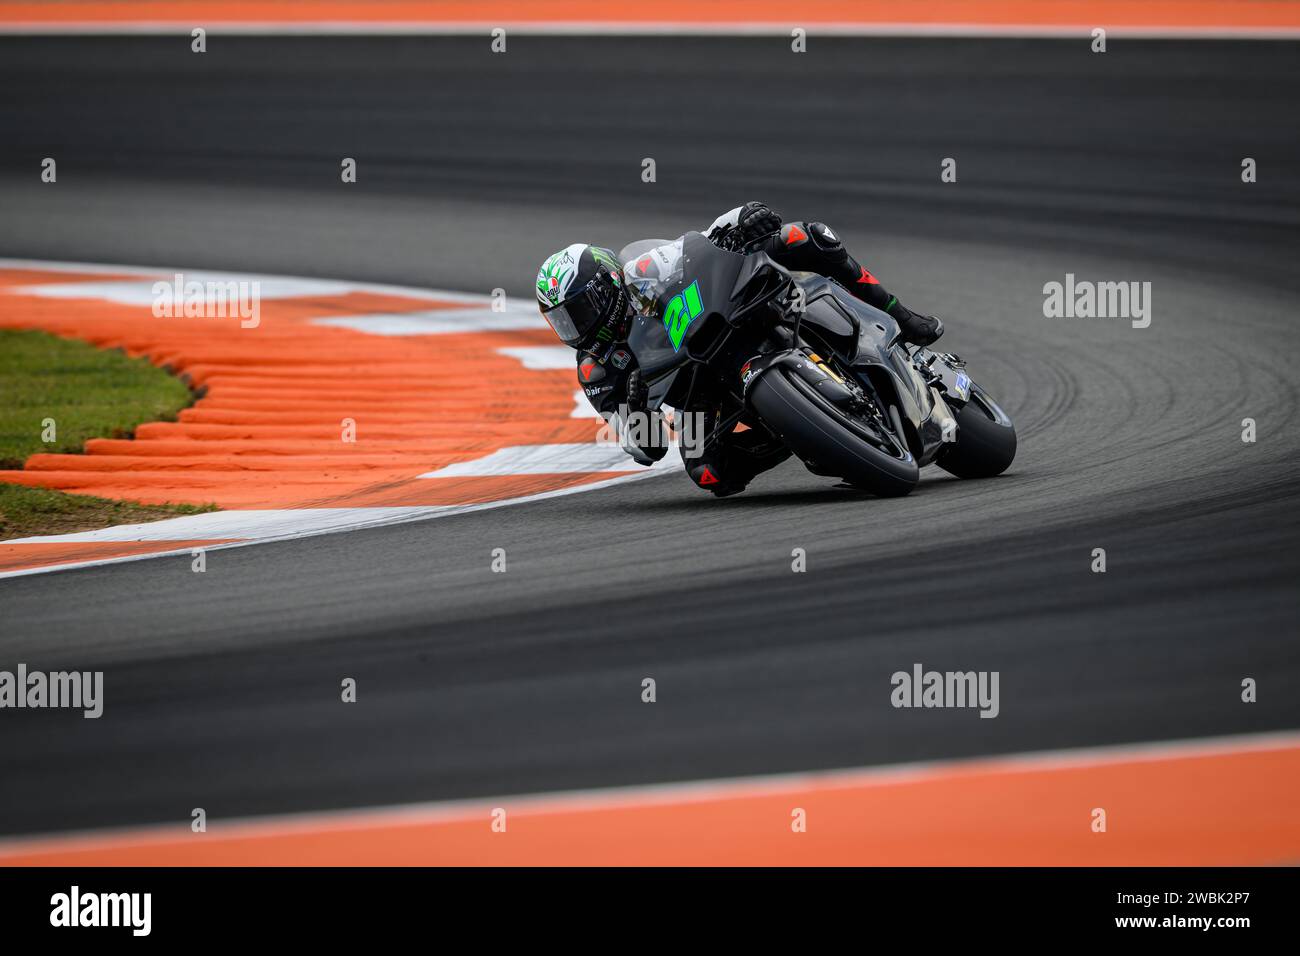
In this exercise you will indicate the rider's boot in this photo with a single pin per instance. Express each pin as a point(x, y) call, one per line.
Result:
point(709, 477)
point(917, 329)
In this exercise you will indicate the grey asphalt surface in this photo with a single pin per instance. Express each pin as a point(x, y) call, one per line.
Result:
point(222, 689)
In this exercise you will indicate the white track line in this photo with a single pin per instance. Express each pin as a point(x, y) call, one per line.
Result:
point(137, 272)
point(542, 358)
point(696, 791)
point(260, 524)
point(517, 315)
point(551, 460)
point(141, 291)
point(380, 520)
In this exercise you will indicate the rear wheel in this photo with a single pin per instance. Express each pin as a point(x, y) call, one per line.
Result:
point(830, 440)
point(986, 439)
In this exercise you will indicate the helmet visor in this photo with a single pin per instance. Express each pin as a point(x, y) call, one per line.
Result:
point(574, 319)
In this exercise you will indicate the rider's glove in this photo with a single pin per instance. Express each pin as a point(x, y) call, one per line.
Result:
point(638, 394)
point(756, 220)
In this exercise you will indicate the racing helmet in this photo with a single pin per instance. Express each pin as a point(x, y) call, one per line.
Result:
point(579, 291)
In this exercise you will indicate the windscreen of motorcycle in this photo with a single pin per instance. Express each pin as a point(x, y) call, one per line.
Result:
point(674, 287)
point(650, 268)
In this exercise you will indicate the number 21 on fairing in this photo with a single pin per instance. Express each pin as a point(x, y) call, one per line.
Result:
point(684, 307)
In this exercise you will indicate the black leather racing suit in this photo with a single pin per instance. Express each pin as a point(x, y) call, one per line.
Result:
point(609, 378)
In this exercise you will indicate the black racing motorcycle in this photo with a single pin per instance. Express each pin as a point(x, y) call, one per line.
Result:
point(796, 354)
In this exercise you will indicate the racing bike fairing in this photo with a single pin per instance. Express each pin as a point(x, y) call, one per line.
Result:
point(675, 288)
point(826, 373)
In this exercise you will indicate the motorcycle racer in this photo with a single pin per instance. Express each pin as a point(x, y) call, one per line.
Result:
point(582, 294)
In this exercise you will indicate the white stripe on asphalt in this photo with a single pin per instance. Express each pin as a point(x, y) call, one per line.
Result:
point(141, 291)
point(253, 523)
point(543, 358)
point(477, 317)
point(517, 315)
point(583, 408)
point(139, 273)
point(551, 460)
point(408, 515)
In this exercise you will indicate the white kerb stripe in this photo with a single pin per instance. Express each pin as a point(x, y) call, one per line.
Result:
point(441, 321)
point(545, 460)
point(141, 291)
point(543, 358)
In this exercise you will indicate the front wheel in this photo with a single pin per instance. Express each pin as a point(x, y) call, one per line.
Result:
point(827, 439)
point(986, 439)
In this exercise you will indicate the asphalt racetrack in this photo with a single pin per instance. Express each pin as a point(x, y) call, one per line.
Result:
point(221, 689)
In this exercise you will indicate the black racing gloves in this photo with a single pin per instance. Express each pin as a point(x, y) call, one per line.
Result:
point(638, 393)
point(756, 220)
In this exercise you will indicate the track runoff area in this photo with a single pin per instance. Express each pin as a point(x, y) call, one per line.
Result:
point(1005, 812)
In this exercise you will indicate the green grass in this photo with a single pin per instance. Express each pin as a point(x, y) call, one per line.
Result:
point(89, 393)
point(30, 511)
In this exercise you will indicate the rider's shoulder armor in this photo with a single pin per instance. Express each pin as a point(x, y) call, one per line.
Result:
point(591, 371)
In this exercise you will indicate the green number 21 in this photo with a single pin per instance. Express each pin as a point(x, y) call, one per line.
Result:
point(682, 309)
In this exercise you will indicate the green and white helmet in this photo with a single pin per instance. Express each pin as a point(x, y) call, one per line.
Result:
point(578, 290)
